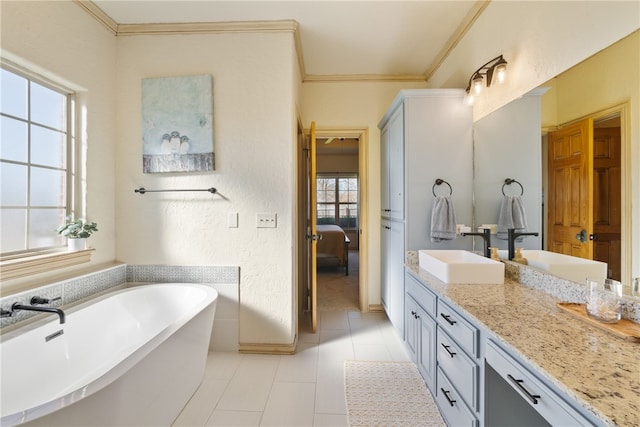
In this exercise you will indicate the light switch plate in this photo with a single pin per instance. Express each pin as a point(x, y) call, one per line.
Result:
point(266, 220)
point(232, 220)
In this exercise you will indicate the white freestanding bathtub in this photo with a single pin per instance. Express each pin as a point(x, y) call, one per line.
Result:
point(133, 357)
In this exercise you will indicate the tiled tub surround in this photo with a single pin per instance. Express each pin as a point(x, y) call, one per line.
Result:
point(600, 371)
point(224, 279)
point(71, 291)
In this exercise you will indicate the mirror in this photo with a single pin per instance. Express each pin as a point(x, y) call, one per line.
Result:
point(511, 142)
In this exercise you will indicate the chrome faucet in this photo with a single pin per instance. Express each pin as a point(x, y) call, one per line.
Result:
point(486, 236)
point(33, 307)
point(512, 235)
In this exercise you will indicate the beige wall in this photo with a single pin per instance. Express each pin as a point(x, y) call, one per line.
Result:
point(62, 42)
point(539, 39)
point(337, 163)
point(254, 130)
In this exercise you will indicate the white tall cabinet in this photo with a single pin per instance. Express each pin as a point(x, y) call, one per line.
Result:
point(426, 134)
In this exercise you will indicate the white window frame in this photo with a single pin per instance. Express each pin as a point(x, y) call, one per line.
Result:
point(336, 204)
point(38, 260)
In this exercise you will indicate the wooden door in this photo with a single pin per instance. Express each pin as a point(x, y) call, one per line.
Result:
point(607, 244)
point(313, 235)
point(571, 190)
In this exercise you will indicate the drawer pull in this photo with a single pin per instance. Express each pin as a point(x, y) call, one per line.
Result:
point(446, 395)
point(532, 397)
point(448, 319)
point(447, 347)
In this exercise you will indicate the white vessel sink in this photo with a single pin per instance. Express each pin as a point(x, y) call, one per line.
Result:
point(458, 266)
point(565, 266)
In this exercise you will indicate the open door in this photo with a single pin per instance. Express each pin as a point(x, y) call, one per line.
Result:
point(312, 235)
point(571, 190)
point(607, 195)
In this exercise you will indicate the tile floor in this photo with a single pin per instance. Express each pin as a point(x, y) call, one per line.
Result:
point(304, 389)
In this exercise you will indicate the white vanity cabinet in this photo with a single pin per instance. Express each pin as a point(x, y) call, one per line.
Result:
point(425, 135)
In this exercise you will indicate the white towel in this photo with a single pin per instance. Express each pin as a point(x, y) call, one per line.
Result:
point(512, 215)
point(443, 219)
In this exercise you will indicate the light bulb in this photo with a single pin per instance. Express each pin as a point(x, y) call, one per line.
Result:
point(469, 98)
point(501, 71)
point(477, 84)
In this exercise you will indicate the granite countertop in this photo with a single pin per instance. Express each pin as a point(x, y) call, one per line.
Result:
point(599, 370)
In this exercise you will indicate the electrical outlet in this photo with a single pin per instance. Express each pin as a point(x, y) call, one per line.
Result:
point(266, 220)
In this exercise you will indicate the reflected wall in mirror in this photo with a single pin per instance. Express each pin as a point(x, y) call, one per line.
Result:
point(512, 143)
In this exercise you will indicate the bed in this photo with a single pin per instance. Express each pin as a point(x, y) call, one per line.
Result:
point(333, 245)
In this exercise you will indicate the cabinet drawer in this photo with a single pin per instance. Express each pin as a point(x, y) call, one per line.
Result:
point(533, 390)
point(453, 409)
point(459, 368)
point(424, 297)
point(457, 327)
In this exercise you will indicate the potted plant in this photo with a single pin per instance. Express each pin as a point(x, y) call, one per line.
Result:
point(76, 232)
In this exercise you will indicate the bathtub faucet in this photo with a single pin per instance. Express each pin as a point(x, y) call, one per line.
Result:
point(17, 307)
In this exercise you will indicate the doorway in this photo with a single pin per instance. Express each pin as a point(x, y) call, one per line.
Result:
point(585, 196)
point(338, 218)
point(607, 221)
point(342, 201)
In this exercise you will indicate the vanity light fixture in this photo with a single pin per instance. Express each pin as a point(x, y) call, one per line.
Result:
point(497, 66)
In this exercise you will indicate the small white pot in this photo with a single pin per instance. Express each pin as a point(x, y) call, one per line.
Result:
point(74, 245)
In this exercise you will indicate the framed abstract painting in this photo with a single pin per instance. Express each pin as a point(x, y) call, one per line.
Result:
point(177, 124)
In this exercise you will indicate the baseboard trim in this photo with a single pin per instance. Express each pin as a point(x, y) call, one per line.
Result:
point(266, 348)
point(376, 307)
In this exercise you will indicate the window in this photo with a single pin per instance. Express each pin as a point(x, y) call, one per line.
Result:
point(337, 200)
point(36, 154)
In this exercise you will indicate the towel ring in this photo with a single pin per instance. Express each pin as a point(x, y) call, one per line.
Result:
point(510, 181)
point(438, 182)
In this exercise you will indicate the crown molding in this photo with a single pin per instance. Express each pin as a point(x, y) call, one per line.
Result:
point(459, 33)
point(291, 26)
point(363, 78)
point(98, 14)
point(208, 28)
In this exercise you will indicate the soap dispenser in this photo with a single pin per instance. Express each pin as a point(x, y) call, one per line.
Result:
point(519, 258)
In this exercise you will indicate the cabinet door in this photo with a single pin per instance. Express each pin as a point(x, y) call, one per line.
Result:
point(384, 264)
point(395, 256)
point(427, 352)
point(396, 164)
point(385, 205)
point(411, 327)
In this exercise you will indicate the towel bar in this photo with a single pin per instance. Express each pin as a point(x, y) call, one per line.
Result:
point(439, 182)
point(143, 190)
point(510, 181)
